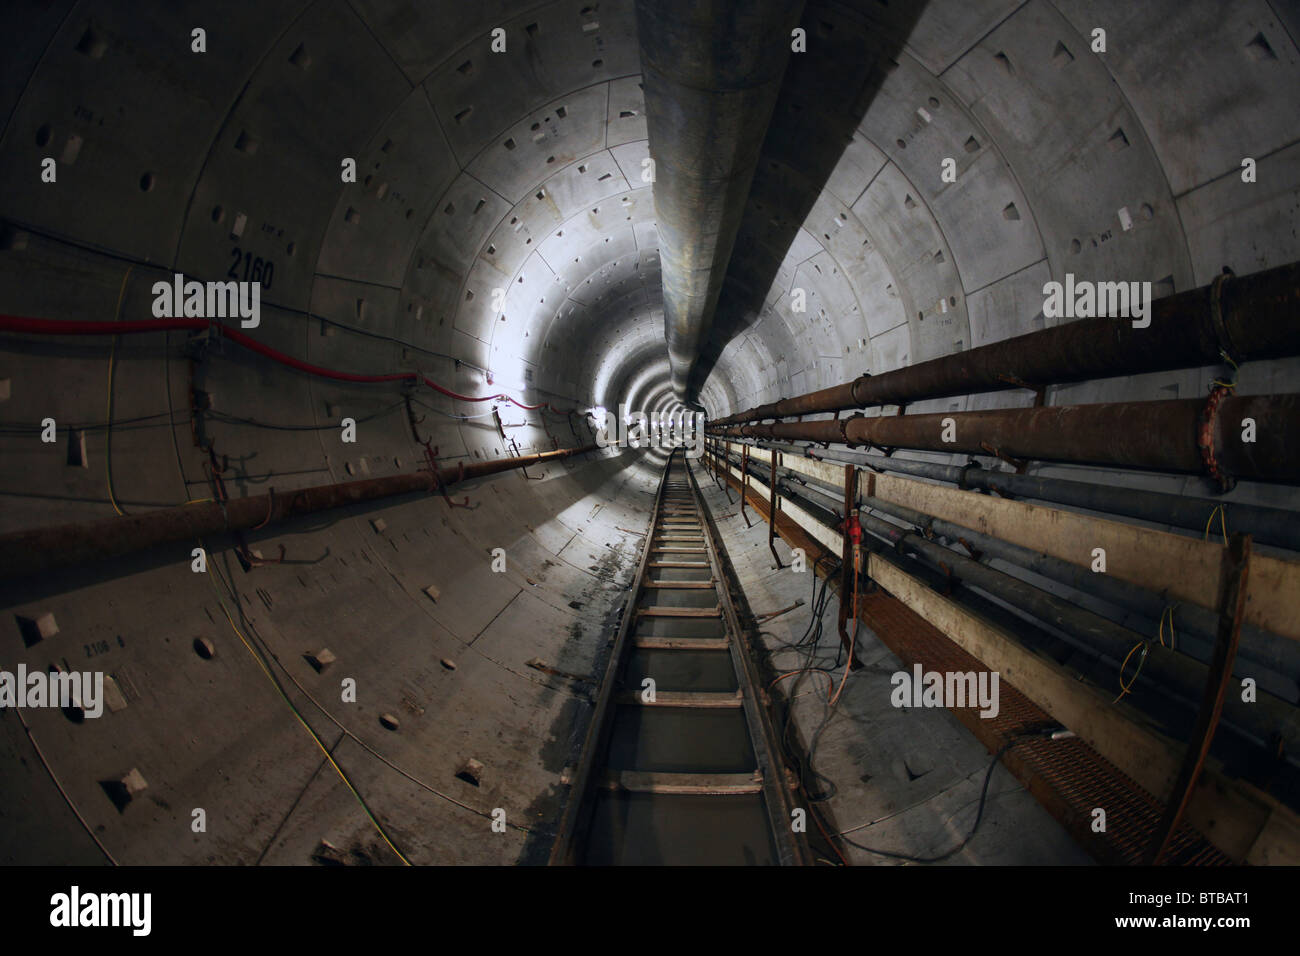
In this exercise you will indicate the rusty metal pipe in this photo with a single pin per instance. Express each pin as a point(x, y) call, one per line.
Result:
point(43, 549)
point(1258, 322)
point(1152, 435)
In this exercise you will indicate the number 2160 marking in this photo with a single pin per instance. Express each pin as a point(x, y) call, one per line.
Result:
point(256, 269)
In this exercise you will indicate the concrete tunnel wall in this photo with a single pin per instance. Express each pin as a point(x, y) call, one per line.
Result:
point(521, 172)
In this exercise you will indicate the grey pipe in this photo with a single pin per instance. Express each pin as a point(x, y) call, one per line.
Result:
point(1277, 654)
point(1279, 527)
point(711, 70)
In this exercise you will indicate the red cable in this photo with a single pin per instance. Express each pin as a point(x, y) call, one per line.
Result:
point(15, 323)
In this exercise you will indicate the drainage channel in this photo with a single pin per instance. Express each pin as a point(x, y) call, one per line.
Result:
point(680, 765)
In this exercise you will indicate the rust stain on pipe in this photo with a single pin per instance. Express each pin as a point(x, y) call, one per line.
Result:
point(1258, 321)
point(1154, 435)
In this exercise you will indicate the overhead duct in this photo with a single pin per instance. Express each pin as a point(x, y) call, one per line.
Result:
point(712, 71)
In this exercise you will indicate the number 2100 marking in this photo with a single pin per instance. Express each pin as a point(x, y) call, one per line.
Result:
point(255, 268)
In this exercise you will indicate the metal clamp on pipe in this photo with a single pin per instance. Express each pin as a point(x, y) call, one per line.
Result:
point(1216, 315)
point(844, 429)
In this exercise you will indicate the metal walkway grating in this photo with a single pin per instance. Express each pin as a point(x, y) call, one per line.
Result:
point(1067, 777)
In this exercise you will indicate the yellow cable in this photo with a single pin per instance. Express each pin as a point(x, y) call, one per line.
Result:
point(1227, 358)
point(54, 778)
point(319, 743)
point(1223, 524)
point(1123, 688)
point(108, 413)
point(108, 470)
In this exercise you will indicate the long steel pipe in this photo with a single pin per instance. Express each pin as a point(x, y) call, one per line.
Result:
point(1254, 319)
point(44, 549)
point(1154, 435)
point(711, 70)
point(1274, 526)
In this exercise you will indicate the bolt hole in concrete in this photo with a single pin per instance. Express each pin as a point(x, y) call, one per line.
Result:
point(43, 135)
point(388, 721)
point(35, 630)
point(204, 648)
point(471, 772)
point(146, 182)
point(116, 792)
point(122, 790)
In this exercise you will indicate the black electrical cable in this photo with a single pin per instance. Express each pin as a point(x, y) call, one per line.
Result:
point(806, 767)
point(239, 420)
point(829, 790)
point(988, 776)
point(27, 428)
point(815, 784)
point(149, 421)
point(979, 816)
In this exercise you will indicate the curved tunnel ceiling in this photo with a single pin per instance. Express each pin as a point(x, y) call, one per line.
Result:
point(501, 215)
point(501, 236)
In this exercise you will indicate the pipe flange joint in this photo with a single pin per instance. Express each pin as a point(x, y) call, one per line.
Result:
point(1216, 316)
point(844, 429)
point(853, 389)
point(971, 464)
